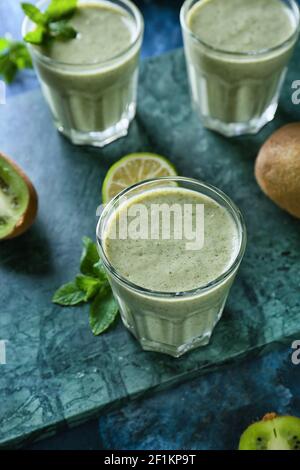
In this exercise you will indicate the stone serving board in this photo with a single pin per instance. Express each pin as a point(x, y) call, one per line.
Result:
point(57, 373)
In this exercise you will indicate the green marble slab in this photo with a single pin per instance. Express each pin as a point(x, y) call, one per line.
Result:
point(57, 373)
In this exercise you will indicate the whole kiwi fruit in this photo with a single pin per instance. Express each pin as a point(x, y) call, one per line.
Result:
point(277, 168)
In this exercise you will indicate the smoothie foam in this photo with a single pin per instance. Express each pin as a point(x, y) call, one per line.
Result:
point(167, 265)
point(241, 26)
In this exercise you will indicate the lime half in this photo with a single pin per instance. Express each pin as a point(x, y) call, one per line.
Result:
point(132, 169)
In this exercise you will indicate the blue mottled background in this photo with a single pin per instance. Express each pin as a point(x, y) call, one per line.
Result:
point(206, 413)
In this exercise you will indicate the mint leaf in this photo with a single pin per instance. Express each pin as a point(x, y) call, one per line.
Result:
point(99, 271)
point(8, 69)
point(19, 54)
point(59, 9)
point(13, 57)
point(89, 257)
point(69, 294)
point(89, 285)
point(62, 30)
point(103, 311)
point(36, 36)
point(90, 263)
point(34, 13)
point(51, 24)
point(92, 283)
point(4, 44)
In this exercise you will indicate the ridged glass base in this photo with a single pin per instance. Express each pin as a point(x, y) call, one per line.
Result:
point(100, 139)
point(240, 128)
point(148, 345)
point(179, 334)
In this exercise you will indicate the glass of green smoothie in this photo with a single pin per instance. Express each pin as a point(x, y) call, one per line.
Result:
point(90, 82)
point(237, 53)
point(171, 248)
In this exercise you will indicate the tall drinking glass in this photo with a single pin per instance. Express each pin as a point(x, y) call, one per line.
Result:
point(92, 102)
point(178, 321)
point(235, 91)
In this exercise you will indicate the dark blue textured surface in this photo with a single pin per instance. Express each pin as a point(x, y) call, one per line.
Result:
point(206, 413)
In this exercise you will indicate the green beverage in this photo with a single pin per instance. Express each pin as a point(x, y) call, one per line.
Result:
point(172, 287)
point(237, 53)
point(90, 82)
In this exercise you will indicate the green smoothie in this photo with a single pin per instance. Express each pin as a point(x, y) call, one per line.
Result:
point(167, 265)
point(240, 25)
point(90, 82)
point(104, 31)
point(171, 293)
point(237, 52)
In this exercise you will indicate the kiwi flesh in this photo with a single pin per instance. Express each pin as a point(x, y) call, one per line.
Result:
point(272, 433)
point(18, 200)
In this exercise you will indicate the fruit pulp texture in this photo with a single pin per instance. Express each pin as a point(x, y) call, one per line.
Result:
point(276, 433)
point(166, 264)
point(14, 197)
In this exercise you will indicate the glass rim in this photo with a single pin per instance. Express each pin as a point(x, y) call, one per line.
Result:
point(230, 206)
point(138, 17)
point(256, 53)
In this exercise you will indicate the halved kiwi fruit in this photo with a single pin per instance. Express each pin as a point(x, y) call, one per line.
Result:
point(272, 433)
point(18, 200)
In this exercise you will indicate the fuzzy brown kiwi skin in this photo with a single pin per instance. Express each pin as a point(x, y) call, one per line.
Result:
point(277, 168)
point(269, 416)
point(28, 217)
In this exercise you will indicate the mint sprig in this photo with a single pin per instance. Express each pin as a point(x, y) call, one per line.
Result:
point(60, 9)
point(51, 24)
point(62, 30)
point(90, 285)
point(69, 294)
point(104, 311)
point(34, 14)
point(89, 257)
point(13, 57)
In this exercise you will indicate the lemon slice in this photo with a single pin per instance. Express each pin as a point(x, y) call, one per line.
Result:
point(132, 169)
